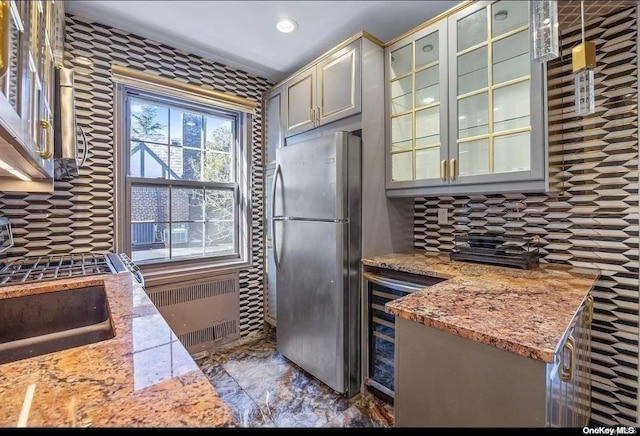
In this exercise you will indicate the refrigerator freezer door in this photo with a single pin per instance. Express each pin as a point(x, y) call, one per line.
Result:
point(313, 177)
point(311, 299)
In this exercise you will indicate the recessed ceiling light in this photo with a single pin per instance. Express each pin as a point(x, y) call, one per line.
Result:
point(501, 15)
point(81, 60)
point(286, 25)
point(427, 48)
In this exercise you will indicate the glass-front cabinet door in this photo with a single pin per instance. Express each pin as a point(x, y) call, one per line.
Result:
point(11, 66)
point(416, 74)
point(496, 109)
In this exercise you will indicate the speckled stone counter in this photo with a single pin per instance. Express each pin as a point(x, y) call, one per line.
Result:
point(141, 377)
point(522, 311)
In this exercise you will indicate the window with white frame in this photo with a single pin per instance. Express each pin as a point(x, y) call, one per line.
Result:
point(185, 164)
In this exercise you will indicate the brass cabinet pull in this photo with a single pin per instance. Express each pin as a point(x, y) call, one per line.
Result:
point(5, 22)
point(48, 151)
point(588, 316)
point(318, 114)
point(313, 116)
point(443, 170)
point(452, 165)
point(567, 370)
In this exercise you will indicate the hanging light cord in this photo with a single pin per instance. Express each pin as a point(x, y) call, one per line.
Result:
point(582, 18)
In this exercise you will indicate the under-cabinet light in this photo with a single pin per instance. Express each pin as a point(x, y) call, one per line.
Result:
point(12, 170)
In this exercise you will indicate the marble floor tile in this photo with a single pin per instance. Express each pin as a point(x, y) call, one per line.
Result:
point(264, 389)
point(368, 411)
point(244, 409)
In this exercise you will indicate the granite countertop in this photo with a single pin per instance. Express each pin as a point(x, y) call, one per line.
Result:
point(141, 377)
point(525, 312)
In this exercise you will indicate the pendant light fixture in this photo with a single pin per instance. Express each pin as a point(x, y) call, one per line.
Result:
point(544, 30)
point(583, 59)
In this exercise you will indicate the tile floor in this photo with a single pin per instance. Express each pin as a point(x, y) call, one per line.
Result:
point(263, 389)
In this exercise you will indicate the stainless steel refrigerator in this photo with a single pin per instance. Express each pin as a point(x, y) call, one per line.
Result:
point(316, 231)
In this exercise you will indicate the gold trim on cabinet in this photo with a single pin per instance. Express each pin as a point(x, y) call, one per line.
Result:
point(428, 23)
point(48, 151)
point(343, 44)
point(512, 82)
point(490, 91)
point(452, 169)
point(312, 117)
point(490, 88)
point(122, 74)
point(473, 48)
point(352, 54)
point(371, 38)
point(5, 16)
point(474, 93)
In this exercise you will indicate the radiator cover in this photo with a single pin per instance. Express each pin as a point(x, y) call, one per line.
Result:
point(203, 312)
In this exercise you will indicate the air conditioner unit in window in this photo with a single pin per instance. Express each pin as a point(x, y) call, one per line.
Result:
point(178, 236)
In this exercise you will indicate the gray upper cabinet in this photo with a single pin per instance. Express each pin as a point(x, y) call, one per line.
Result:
point(273, 137)
point(466, 106)
point(325, 92)
point(300, 102)
point(31, 29)
point(417, 105)
point(339, 85)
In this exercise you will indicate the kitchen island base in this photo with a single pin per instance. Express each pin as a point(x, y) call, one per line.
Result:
point(445, 380)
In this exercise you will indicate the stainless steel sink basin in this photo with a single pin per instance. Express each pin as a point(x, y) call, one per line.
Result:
point(38, 324)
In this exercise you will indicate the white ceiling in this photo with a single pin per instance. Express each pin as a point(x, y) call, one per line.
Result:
point(242, 34)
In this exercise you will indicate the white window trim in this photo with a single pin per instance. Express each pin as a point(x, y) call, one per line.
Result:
point(180, 267)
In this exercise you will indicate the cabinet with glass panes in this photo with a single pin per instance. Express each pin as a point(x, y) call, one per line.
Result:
point(466, 105)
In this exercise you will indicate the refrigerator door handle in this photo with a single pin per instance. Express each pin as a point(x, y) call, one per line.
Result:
point(273, 221)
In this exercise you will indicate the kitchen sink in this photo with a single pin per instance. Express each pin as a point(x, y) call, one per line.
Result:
point(37, 324)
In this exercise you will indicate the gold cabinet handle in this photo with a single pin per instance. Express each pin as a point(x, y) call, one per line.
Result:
point(5, 17)
point(452, 166)
point(443, 170)
point(588, 316)
point(318, 114)
point(567, 370)
point(313, 116)
point(48, 151)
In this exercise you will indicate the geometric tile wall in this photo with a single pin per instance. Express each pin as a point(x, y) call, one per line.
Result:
point(592, 220)
point(78, 216)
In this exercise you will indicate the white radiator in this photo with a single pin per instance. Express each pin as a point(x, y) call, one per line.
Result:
point(203, 313)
